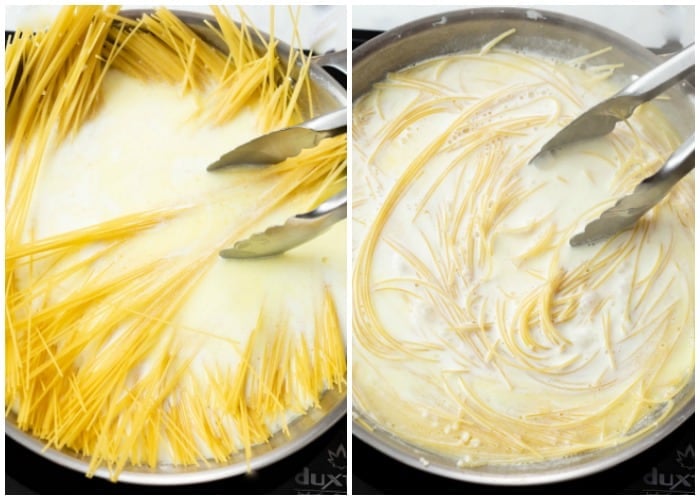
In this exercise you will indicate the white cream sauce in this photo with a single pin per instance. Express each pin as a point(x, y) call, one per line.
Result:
point(143, 151)
point(440, 153)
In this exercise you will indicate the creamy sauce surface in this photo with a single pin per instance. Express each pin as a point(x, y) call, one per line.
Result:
point(144, 151)
point(478, 332)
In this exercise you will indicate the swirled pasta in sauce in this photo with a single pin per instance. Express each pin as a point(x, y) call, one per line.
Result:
point(479, 332)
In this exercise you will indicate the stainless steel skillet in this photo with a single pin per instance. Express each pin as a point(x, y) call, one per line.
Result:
point(328, 95)
point(562, 37)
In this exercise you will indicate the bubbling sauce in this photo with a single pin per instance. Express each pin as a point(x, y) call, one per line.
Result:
point(479, 333)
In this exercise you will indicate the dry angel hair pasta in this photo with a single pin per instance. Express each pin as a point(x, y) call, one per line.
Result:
point(494, 341)
point(97, 359)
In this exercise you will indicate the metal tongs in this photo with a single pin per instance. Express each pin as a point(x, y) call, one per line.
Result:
point(276, 147)
point(602, 118)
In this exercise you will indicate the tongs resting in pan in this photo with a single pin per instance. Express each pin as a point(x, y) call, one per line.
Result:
point(276, 147)
point(601, 119)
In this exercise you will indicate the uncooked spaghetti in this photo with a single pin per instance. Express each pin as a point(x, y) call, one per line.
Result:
point(128, 340)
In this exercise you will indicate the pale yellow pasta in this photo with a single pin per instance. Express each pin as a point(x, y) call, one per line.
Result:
point(478, 332)
point(106, 352)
